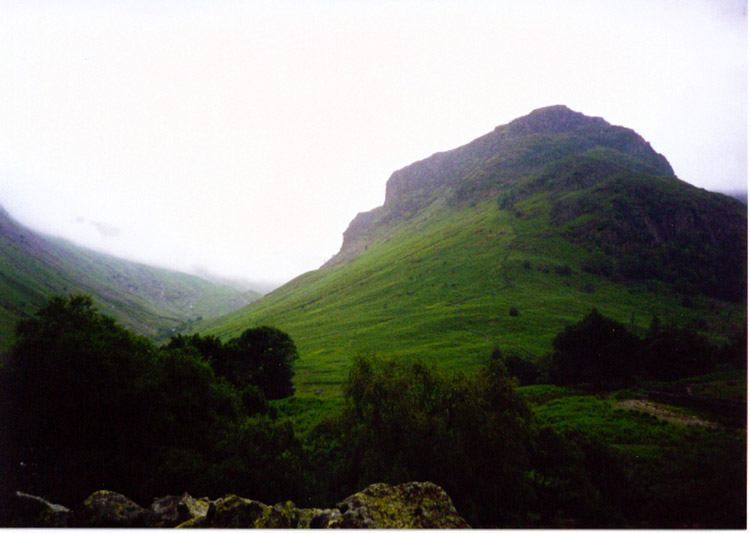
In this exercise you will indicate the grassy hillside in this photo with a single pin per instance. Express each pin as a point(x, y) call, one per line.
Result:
point(442, 289)
point(506, 240)
point(149, 300)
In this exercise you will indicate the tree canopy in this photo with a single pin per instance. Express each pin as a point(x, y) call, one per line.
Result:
point(87, 404)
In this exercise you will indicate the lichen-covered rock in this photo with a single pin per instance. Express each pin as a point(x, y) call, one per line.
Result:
point(410, 505)
point(105, 508)
point(231, 511)
point(32, 511)
point(407, 506)
point(170, 511)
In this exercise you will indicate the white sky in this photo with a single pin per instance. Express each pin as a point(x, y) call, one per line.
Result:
point(242, 137)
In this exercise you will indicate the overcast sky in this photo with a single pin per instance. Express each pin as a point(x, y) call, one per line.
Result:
point(242, 137)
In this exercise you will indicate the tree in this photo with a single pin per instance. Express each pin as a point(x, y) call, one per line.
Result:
point(75, 390)
point(406, 421)
point(672, 353)
point(261, 357)
point(597, 350)
point(258, 361)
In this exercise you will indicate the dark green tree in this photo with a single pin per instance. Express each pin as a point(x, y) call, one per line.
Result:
point(407, 421)
point(670, 352)
point(88, 405)
point(261, 357)
point(597, 350)
point(77, 393)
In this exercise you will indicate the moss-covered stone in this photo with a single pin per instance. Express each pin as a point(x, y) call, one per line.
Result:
point(407, 506)
point(231, 511)
point(105, 508)
point(170, 511)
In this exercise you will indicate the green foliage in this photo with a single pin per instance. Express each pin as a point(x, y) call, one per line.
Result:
point(602, 352)
point(258, 361)
point(87, 404)
point(596, 350)
point(526, 371)
point(665, 475)
point(407, 421)
point(261, 357)
point(474, 436)
point(670, 353)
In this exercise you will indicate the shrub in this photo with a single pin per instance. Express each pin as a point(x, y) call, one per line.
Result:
point(405, 421)
point(596, 350)
point(88, 405)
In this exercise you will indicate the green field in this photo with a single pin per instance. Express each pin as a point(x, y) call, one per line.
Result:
point(440, 288)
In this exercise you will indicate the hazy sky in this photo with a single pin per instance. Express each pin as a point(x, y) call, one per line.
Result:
point(242, 137)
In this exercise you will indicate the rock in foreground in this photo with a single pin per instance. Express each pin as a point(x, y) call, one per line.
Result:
point(406, 506)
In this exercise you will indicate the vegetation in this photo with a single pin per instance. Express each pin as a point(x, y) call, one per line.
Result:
point(87, 404)
point(628, 415)
point(602, 352)
point(504, 241)
point(670, 474)
point(152, 301)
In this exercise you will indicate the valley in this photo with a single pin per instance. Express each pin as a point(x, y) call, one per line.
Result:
point(503, 242)
point(153, 301)
point(546, 322)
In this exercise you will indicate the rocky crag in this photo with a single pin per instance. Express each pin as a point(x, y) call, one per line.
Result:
point(379, 506)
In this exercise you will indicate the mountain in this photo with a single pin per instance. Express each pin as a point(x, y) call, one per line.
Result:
point(504, 241)
point(152, 301)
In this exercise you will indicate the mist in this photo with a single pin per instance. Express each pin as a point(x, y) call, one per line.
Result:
point(240, 139)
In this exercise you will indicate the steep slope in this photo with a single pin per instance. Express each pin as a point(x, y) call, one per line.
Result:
point(505, 240)
point(150, 300)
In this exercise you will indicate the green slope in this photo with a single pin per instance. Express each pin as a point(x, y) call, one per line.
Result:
point(149, 300)
point(549, 215)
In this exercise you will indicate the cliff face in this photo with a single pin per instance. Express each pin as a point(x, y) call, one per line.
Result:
point(495, 162)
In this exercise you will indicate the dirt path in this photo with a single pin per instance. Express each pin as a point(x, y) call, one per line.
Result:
point(664, 413)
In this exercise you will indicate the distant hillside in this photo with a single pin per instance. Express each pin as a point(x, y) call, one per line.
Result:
point(737, 194)
point(149, 300)
point(505, 240)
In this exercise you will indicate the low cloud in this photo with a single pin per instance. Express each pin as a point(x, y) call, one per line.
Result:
point(105, 230)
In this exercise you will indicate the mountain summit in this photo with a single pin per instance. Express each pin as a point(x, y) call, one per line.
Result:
point(498, 161)
point(503, 241)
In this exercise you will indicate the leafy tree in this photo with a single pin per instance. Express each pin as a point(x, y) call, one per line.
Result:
point(406, 421)
point(74, 392)
point(525, 370)
point(261, 357)
point(672, 353)
point(88, 405)
point(596, 350)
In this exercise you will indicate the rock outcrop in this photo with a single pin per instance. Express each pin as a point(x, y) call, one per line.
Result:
point(35, 511)
point(105, 508)
point(406, 506)
point(495, 163)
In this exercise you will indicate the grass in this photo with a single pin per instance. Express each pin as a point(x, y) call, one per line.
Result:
point(149, 300)
point(439, 288)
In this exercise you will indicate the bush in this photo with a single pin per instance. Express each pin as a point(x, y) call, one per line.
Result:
point(406, 421)
point(88, 405)
point(596, 350)
point(523, 369)
point(671, 353)
point(260, 357)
